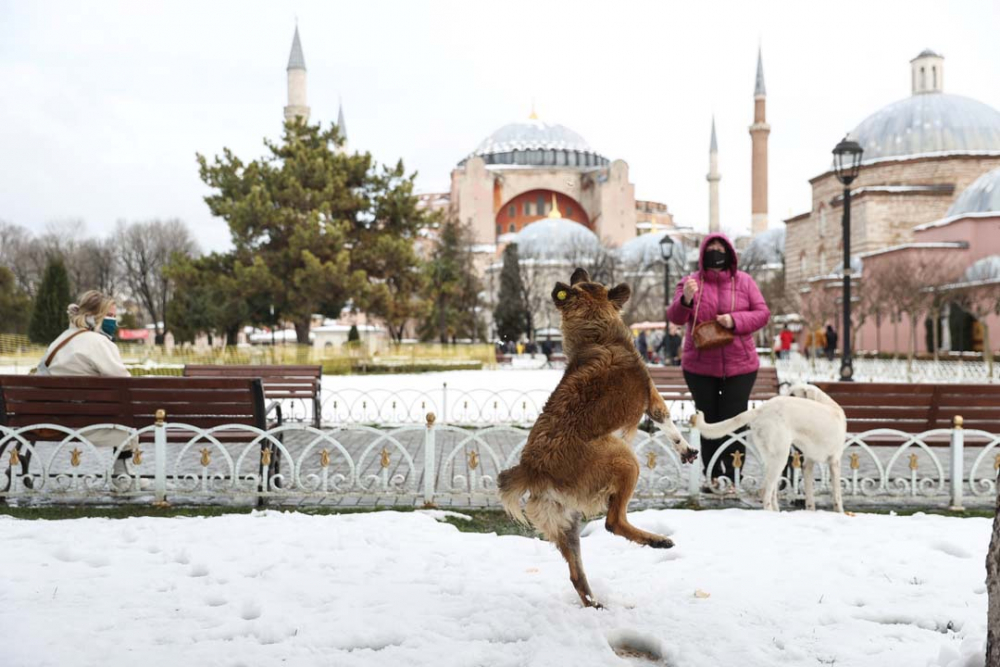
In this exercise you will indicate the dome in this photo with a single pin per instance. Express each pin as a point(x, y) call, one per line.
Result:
point(929, 123)
point(644, 250)
point(536, 143)
point(987, 268)
point(556, 238)
point(768, 247)
point(983, 196)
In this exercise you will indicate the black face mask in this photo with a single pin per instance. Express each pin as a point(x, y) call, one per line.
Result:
point(715, 259)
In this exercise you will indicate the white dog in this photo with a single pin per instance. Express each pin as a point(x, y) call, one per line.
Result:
point(808, 419)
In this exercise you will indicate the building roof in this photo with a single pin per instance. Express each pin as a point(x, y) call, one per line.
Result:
point(985, 269)
point(644, 250)
point(928, 53)
point(714, 146)
point(765, 249)
point(533, 142)
point(295, 59)
point(555, 238)
point(983, 196)
point(927, 124)
point(759, 87)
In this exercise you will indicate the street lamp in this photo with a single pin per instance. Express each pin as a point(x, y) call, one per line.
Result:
point(666, 251)
point(847, 164)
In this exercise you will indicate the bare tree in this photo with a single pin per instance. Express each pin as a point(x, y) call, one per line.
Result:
point(817, 306)
point(145, 249)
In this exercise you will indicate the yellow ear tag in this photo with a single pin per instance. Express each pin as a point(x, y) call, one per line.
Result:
point(561, 295)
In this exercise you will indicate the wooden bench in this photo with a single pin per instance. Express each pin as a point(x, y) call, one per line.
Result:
point(669, 381)
point(915, 408)
point(280, 382)
point(76, 402)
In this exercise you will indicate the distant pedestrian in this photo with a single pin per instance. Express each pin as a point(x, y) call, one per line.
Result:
point(643, 346)
point(547, 351)
point(786, 337)
point(831, 342)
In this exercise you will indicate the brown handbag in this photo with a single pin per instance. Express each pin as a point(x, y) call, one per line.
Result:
point(712, 335)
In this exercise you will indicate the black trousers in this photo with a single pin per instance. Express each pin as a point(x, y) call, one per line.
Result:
point(720, 399)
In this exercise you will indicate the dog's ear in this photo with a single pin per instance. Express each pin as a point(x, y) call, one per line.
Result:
point(561, 294)
point(619, 295)
point(579, 276)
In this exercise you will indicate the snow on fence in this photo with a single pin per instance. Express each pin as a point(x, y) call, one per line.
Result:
point(454, 465)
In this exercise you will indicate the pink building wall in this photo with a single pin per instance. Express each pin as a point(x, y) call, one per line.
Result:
point(982, 233)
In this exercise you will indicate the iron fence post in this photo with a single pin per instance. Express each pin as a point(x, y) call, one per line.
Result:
point(160, 456)
point(957, 463)
point(429, 464)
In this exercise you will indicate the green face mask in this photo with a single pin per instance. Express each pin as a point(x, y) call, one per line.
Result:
point(109, 326)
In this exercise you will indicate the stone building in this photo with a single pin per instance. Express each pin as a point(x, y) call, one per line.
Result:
point(509, 180)
point(919, 154)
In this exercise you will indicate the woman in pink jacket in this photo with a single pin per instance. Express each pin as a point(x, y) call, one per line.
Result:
point(720, 380)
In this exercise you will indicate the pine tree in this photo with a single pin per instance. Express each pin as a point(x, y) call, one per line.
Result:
point(48, 320)
point(511, 314)
point(455, 286)
point(15, 304)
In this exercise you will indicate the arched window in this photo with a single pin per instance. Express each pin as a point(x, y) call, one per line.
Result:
point(541, 205)
point(512, 228)
point(934, 76)
point(527, 208)
point(923, 79)
point(804, 265)
point(512, 211)
point(569, 211)
point(499, 229)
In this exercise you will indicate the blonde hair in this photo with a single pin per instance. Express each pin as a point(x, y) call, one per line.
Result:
point(93, 304)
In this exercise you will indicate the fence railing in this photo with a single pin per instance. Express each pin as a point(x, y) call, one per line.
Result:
point(444, 463)
point(800, 369)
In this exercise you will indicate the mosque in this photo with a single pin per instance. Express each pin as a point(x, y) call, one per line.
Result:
point(927, 186)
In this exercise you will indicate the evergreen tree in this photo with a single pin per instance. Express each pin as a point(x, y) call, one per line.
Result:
point(511, 314)
point(352, 335)
point(48, 319)
point(327, 228)
point(15, 304)
point(454, 285)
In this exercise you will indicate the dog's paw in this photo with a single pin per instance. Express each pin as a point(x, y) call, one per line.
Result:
point(689, 456)
point(662, 543)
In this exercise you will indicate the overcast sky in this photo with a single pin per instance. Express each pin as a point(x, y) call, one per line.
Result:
point(103, 105)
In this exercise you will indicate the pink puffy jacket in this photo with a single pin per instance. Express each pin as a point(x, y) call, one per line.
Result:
point(715, 292)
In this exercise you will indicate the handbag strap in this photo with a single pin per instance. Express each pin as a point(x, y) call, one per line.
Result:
point(701, 290)
point(48, 362)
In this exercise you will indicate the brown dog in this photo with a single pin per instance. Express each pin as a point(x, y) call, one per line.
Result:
point(577, 462)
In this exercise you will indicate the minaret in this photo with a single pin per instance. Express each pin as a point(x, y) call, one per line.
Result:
point(342, 127)
point(297, 107)
point(713, 183)
point(758, 135)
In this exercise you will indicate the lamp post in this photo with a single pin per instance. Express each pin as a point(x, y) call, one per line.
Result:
point(666, 251)
point(847, 164)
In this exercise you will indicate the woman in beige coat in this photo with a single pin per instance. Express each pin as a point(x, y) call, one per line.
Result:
point(86, 348)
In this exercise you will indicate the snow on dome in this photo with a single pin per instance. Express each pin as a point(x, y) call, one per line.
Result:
point(556, 238)
point(768, 247)
point(643, 250)
point(987, 268)
point(983, 196)
point(927, 124)
point(537, 143)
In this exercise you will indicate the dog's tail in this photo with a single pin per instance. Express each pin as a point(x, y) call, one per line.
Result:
point(719, 429)
point(513, 483)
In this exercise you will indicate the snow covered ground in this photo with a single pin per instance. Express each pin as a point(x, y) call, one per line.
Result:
point(403, 589)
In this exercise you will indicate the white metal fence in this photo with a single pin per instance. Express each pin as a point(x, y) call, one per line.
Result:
point(802, 369)
point(453, 465)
